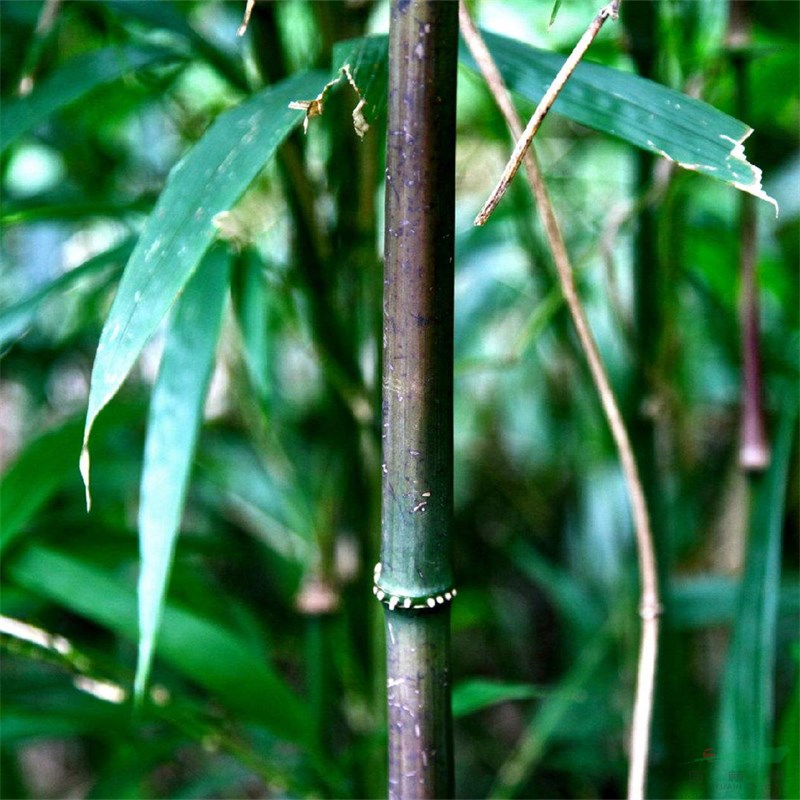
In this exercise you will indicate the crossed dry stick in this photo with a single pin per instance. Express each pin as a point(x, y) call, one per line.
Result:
point(650, 606)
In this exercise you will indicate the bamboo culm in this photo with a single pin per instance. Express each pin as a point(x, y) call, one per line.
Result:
point(414, 578)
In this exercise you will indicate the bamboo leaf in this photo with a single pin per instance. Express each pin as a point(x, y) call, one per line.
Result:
point(235, 480)
point(211, 656)
point(367, 62)
point(165, 16)
point(475, 695)
point(646, 114)
point(73, 80)
point(653, 117)
point(789, 738)
point(550, 715)
point(746, 712)
point(568, 596)
point(251, 302)
point(206, 182)
point(176, 413)
point(39, 472)
point(554, 13)
point(17, 317)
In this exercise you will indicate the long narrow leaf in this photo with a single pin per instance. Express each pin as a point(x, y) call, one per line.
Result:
point(176, 413)
point(39, 472)
point(18, 316)
point(646, 114)
point(207, 181)
point(206, 653)
point(549, 715)
point(643, 113)
point(742, 766)
point(73, 80)
point(165, 16)
point(475, 695)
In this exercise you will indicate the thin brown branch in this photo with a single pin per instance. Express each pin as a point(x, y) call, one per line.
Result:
point(524, 138)
point(650, 607)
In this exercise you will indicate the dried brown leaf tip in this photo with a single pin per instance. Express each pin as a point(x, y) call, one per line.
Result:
point(246, 21)
point(315, 107)
point(360, 124)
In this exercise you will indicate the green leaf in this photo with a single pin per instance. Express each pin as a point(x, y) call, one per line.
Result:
point(706, 600)
point(251, 301)
point(208, 654)
point(73, 80)
point(554, 13)
point(265, 501)
point(551, 714)
point(164, 16)
point(39, 472)
point(207, 181)
point(789, 738)
point(56, 208)
point(19, 316)
point(567, 595)
point(475, 695)
point(176, 413)
point(646, 114)
point(746, 711)
point(367, 60)
point(641, 112)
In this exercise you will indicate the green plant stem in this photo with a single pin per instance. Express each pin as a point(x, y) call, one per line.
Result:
point(418, 694)
point(754, 451)
point(417, 491)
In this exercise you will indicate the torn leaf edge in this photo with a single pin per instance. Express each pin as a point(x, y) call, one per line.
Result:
point(737, 154)
point(316, 107)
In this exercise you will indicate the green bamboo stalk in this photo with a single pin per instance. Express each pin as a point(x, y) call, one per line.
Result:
point(414, 577)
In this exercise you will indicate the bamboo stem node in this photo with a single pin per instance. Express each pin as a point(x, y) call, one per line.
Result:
point(423, 602)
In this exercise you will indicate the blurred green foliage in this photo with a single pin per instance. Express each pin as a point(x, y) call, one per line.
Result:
point(268, 676)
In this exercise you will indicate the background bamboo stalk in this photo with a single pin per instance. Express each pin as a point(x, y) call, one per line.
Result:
point(417, 431)
point(754, 450)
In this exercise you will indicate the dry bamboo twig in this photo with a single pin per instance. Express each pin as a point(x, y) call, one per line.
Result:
point(650, 607)
point(246, 19)
point(524, 138)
